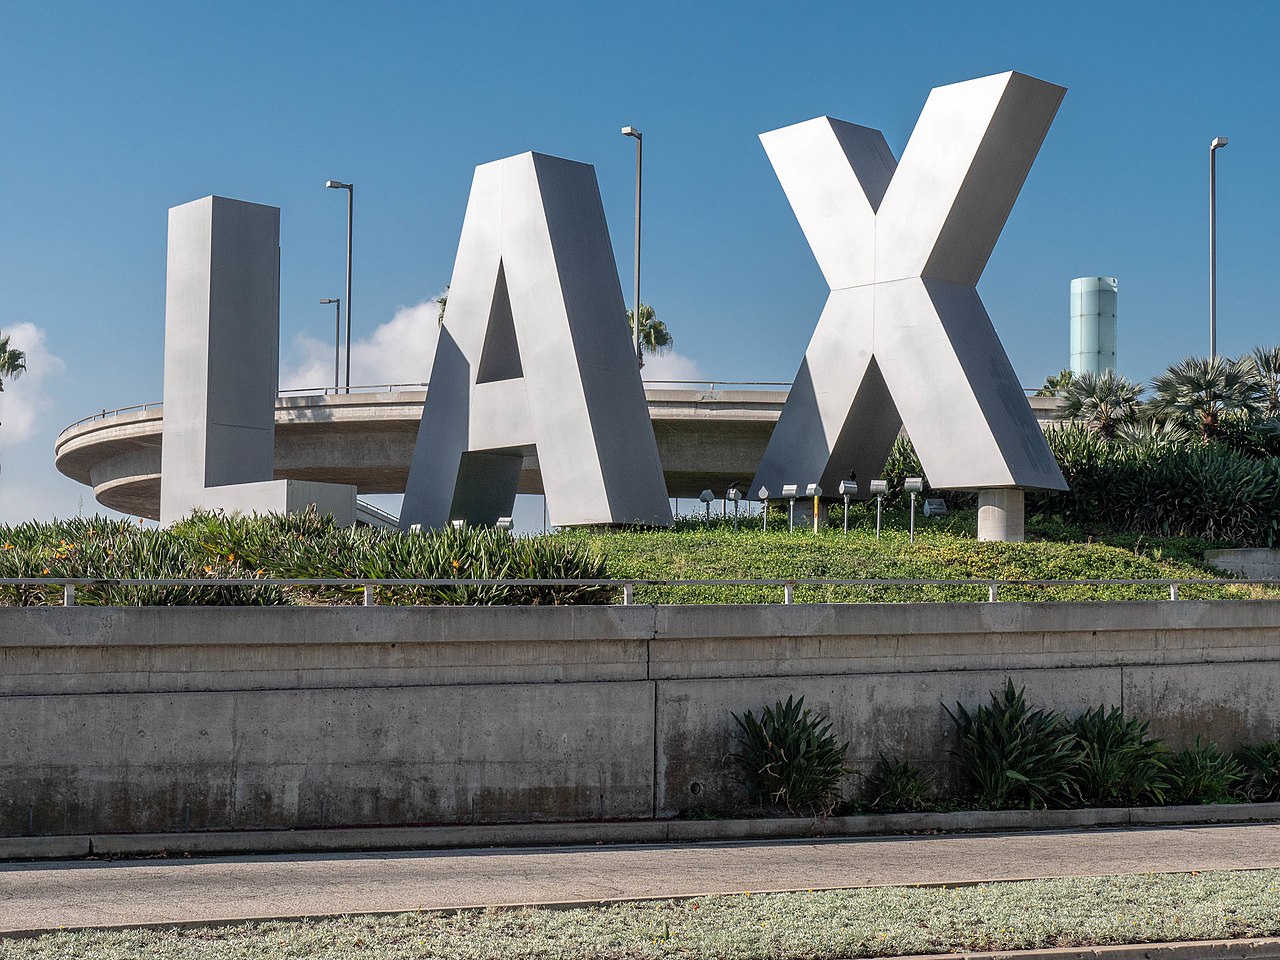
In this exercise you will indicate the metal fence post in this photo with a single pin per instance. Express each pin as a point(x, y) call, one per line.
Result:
point(993, 591)
point(1173, 591)
point(68, 594)
point(628, 594)
point(788, 593)
point(369, 598)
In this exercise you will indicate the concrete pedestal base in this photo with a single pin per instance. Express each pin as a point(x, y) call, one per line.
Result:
point(1002, 515)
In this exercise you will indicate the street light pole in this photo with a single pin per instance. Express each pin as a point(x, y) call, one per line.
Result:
point(1214, 146)
point(337, 337)
point(351, 202)
point(635, 314)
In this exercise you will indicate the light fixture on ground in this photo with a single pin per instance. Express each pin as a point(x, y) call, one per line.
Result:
point(351, 202)
point(789, 493)
point(815, 491)
point(913, 485)
point(734, 494)
point(878, 489)
point(1214, 146)
point(337, 338)
point(706, 496)
point(763, 496)
point(458, 524)
point(504, 523)
point(635, 314)
point(848, 488)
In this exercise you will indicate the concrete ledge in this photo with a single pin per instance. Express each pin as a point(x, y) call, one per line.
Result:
point(635, 831)
point(374, 838)
point(1262, 948)
point(44, 848)
point(1258, 949)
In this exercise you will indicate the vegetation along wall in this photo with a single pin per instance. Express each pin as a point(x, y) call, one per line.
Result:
point(201, 718)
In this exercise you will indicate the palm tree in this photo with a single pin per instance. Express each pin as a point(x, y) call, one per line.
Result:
point(1102, 401)
point(1266, 370)
point(442, 301)
point(1201, 391)
point(1056, 383)
point(13, 362)
point(1149, 432)
point(654, 336)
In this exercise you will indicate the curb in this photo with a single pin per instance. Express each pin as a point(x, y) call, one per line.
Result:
point(337, 839)
point(1262, 948)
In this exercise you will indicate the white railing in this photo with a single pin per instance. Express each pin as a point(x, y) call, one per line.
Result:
point(710, 386)
point(369, 587)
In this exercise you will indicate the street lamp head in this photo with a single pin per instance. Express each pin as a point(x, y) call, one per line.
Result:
point(333, 300)
point(631, 132)
point(1218, 142)
point(337, 185)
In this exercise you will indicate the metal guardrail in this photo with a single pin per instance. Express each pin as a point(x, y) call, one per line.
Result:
point(711, 387)
point(111, 413)
point(358, 388)
point(370, 587)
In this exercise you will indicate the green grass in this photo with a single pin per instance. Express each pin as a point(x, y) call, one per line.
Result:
point(945, 549)
point(870, 922)
point(209, 547)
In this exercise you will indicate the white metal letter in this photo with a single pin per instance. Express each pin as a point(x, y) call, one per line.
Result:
point(904, 337)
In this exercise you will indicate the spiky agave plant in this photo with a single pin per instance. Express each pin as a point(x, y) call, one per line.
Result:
point(1014, 756)
point(790, 758)
point(1120, 763)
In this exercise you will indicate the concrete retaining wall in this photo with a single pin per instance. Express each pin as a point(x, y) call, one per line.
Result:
point(161, 719)
point(1253, 563)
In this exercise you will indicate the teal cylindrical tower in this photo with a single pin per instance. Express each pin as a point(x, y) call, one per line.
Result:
point(1093, 324)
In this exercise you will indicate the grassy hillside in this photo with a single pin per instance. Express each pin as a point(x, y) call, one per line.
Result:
point(944, 550)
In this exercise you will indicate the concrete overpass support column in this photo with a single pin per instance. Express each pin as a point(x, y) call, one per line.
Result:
point(1002, 515)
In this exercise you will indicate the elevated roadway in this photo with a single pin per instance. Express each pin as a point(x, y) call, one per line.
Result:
point(710, 434)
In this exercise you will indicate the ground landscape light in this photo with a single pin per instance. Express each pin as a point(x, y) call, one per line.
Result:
point(790, 492)
point(815, 491)
point(879, 488)
point(706, 496)
point(763, 496)
point(848, 488)
point(734, 494)
point(913, 485)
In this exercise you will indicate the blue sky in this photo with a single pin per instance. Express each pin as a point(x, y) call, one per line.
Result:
point(111, 114)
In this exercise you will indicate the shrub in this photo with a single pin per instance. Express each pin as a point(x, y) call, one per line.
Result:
point(212, 546)
point(789, 758)
point(1119, 765)
point(1209, 490)
point(1204, 774)
point(1014, 756)
point(1261, 764)
point(897, 786)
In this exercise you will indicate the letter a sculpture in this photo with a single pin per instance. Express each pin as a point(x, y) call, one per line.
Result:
point(534, 356)
point(904, 338)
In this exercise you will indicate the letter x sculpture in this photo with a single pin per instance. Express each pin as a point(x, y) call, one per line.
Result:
point(904, 338)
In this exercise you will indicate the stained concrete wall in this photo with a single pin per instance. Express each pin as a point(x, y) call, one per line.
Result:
point(155, 719)
point(1254, 563)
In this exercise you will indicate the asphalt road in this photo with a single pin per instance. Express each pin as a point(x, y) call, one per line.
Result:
point(89, 893)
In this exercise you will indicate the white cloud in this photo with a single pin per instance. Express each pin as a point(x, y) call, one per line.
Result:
point(671, 366)
point(403, 349)
point(24, 399)
point(398, 351)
